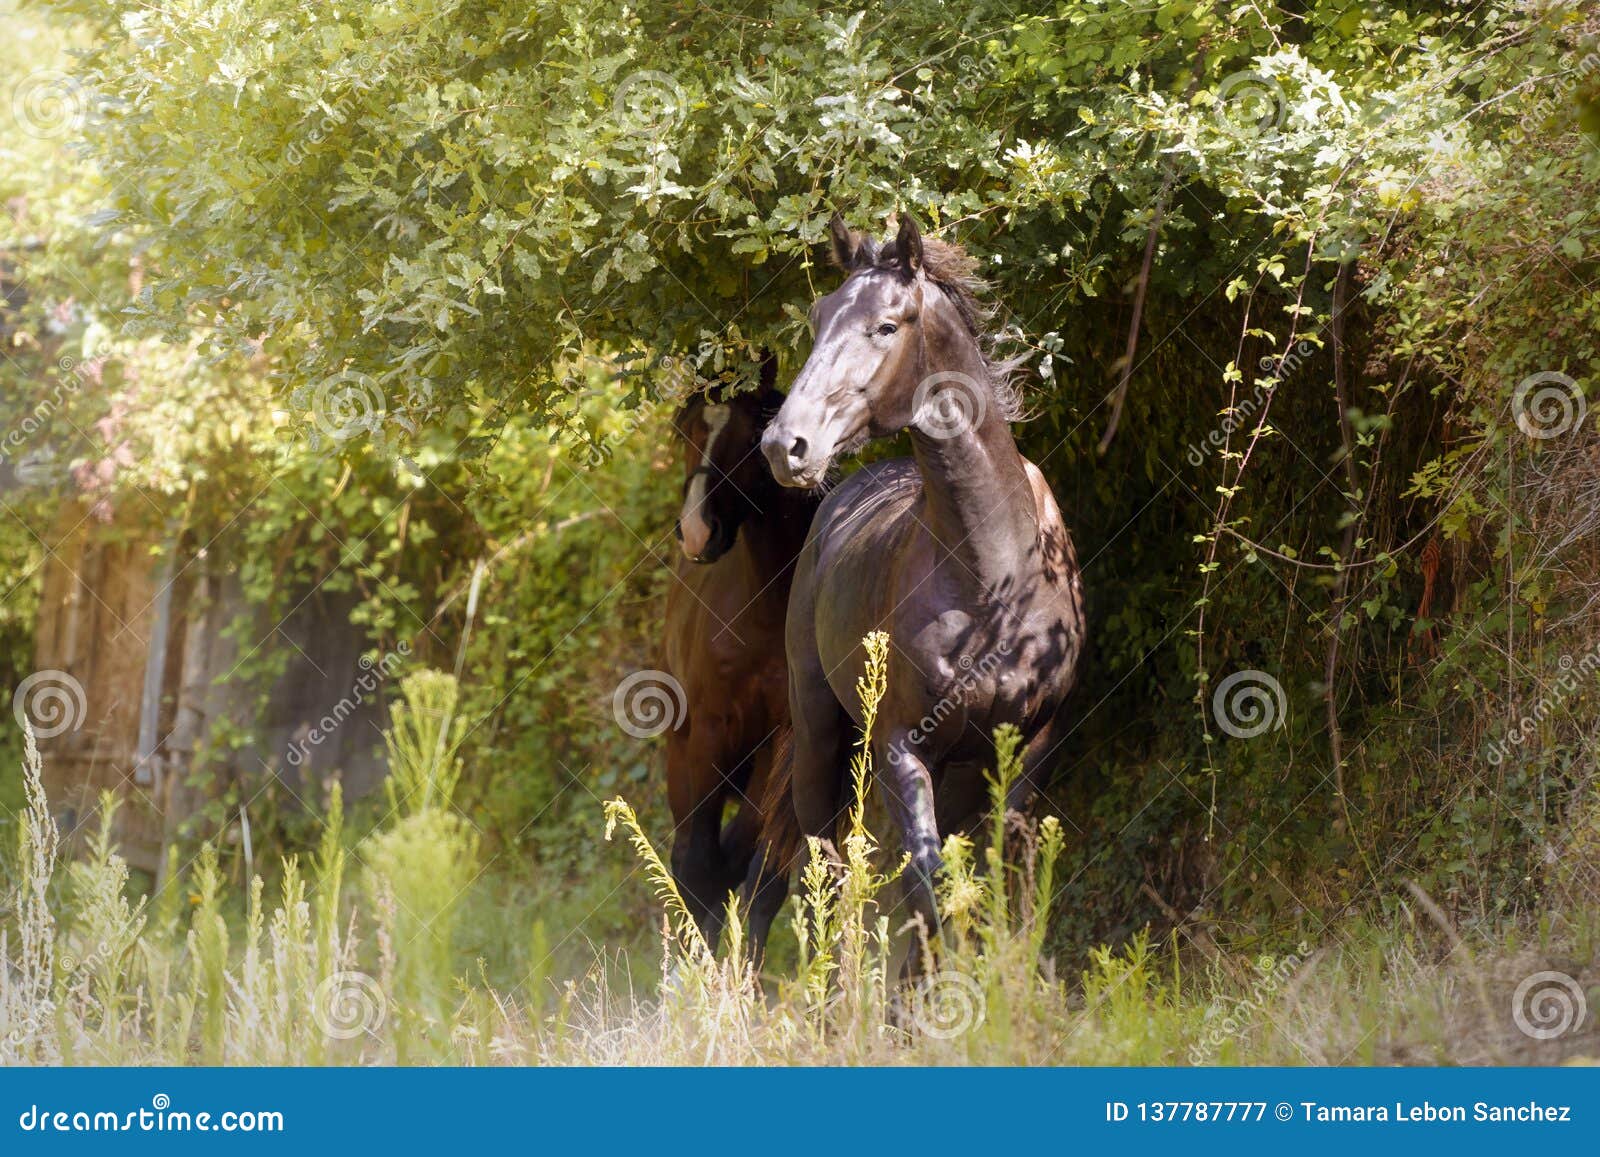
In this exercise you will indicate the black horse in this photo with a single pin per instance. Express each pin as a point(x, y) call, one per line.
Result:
point(959, 552)
point(728, 759)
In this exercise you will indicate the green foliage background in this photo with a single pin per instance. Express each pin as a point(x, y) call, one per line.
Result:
point(523, 226)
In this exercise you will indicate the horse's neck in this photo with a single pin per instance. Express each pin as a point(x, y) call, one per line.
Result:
point(977, 496)
point(774, 535)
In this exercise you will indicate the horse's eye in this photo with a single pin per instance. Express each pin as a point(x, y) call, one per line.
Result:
point(886, 329)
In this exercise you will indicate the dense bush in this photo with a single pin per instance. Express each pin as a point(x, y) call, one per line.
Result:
point(470, 226)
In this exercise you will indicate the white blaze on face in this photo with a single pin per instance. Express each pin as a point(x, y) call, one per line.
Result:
point(695, 521)
point(827, 403)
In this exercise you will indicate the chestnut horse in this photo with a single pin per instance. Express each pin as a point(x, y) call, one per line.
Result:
point(958, 552)
point(740, 533)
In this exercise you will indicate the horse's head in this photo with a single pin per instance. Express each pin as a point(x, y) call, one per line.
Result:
point(723, 474)
point(875, 338)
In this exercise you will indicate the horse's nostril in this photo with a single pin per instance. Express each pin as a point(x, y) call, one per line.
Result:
point(797, 450)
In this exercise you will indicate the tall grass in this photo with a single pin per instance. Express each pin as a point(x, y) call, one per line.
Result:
point(356, 957)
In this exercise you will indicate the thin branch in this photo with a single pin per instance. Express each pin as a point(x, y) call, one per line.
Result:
point(1121, 393)
point(514, 545)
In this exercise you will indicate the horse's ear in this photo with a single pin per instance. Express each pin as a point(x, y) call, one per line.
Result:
point(908, 246)
point(851, 250)
point(681, 419)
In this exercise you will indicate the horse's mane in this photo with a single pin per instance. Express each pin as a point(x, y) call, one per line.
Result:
point(955, 271)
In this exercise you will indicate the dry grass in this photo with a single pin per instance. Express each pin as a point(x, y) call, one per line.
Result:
point(367, 970)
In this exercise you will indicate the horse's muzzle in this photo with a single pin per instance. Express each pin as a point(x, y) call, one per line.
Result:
point(789, 456)
point(718, 541)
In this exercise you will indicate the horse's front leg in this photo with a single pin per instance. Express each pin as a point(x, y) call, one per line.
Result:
point(695, 791)
point(908, 792)
point(1042, 746)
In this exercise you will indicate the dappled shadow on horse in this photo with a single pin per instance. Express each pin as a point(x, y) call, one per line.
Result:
point(958, 552)
point(727, 761)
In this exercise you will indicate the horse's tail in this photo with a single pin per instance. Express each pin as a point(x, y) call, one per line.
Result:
point(780, 844)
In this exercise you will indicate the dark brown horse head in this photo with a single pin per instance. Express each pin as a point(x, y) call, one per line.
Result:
point(904, 305)
point(724, 476)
